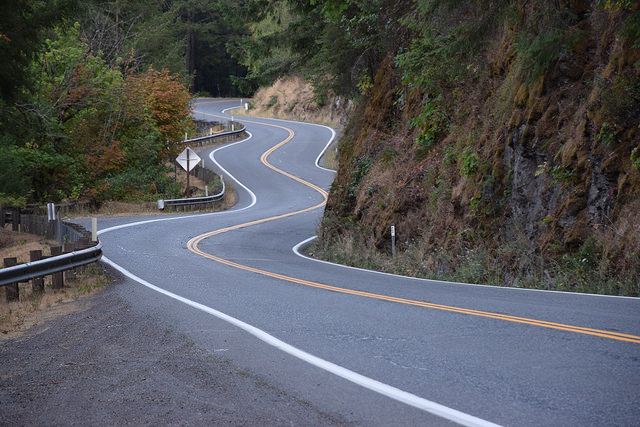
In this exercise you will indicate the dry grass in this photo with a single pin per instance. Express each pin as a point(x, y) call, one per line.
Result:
point(292, 98)
point(17, 317)
point(16, 244)
point(510, 263)
point(31, 309)
point(330, 158)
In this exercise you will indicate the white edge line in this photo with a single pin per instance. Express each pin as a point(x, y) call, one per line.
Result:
point(212, 157)
point(175, 218)
point(296, 250)
point(361, 380)
point(326, 147)
point(333, 132)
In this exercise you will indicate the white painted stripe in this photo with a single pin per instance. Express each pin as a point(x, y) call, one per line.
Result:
point(361, 380)
point(354, 377)
point(175, 218)
point(326, 147)
point(212, 157)
point(296, 250)
point(333, 132)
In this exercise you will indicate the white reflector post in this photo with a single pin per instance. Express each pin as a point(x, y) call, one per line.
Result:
point(94, 229)
point(51, 211)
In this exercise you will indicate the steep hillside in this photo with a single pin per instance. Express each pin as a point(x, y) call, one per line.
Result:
point(293, 98)
point(503, 142)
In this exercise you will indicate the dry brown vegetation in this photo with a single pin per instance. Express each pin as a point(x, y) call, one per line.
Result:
point(16, 317)
point(16, 244)
point(530, 184)
point(292, 98)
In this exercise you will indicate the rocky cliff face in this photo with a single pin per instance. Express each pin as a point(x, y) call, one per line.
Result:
point(527, 169)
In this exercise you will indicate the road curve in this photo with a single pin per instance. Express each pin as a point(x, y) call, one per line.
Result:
point(370, 348)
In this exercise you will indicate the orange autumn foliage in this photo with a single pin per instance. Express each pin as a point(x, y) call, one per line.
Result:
point(165, 101)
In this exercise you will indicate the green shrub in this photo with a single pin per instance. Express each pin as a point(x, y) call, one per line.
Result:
point(607, 134)
point(362, 165)
point(470, 162)
point(433, 123)
point(545, 38)
point(272, 101)
point(635, 157)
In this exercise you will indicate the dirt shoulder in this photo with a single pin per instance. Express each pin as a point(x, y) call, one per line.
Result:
point(101, 364)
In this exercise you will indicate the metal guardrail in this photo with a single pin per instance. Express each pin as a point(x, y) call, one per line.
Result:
point(45, 267)
point(67, 261)
point(216, 135)
point(65, 232)
point(193, 200)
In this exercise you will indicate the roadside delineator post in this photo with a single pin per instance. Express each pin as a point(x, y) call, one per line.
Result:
point(393, 240)
point(94, 229)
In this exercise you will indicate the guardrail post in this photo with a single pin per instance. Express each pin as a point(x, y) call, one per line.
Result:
point(37, 283)
point(12, 290)
point(79, 245)
point(57, 279)
point(69, 274)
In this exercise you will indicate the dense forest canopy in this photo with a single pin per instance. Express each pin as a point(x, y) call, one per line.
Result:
point(94, 95)
point(73, 74)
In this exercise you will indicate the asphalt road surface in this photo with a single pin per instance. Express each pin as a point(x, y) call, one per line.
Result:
point(363, 347)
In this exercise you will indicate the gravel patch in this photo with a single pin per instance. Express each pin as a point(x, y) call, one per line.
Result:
point(101, 364)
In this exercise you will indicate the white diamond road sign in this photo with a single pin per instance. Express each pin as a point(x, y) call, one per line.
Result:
point(188, 153)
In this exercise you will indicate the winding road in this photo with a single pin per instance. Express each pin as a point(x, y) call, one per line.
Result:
point(370, 348)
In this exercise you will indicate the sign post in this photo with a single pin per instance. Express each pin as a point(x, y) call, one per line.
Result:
point(188, 159)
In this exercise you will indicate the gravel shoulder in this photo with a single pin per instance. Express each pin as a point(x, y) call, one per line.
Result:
point(98, 363)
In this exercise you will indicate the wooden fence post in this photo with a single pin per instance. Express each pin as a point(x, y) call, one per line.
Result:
point(12, 290)
point(15, 219)
point(57, 279)
point(37, 284)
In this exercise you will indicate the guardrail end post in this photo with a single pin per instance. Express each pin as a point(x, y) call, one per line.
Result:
point(161, 204)
point(12, 290)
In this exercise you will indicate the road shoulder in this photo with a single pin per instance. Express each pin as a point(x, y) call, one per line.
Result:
point(102, 364)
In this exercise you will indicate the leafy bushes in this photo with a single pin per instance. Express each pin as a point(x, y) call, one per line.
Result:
point(88, 126)
point(432, 123)
point(362, 165)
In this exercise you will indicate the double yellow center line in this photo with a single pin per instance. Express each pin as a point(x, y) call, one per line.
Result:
point(193, 246)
